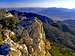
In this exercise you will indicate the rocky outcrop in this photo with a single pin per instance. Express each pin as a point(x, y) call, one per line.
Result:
point(35, 41)
point(33, 44)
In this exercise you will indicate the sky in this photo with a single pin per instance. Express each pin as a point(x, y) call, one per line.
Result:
point(38, 3)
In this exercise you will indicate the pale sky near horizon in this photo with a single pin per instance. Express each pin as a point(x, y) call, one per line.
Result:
point(38, 3)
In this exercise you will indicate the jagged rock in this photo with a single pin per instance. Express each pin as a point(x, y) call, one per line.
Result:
point(15, 48)
point(35, 41)
point(31, 45)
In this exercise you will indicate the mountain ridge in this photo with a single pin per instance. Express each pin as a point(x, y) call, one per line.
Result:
point(31, 34)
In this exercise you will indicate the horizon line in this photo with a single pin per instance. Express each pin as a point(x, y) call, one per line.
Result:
point(36, 7)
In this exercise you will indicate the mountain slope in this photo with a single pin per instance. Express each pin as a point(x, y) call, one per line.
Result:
point(58, 28)
point(30, 34)
point(69, 22)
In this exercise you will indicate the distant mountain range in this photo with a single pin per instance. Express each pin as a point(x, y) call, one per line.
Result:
point(54, 13)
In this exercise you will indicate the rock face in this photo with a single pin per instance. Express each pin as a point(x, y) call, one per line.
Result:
point(30, 44)
point(38, 37)
point(35, 41)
